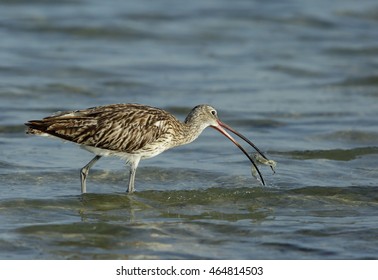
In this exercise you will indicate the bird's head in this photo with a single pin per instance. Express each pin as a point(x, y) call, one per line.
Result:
point(203, 116)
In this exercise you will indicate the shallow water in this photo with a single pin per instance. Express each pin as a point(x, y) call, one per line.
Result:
point(299, 79)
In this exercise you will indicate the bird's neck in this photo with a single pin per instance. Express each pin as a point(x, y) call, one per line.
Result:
point(188, 132)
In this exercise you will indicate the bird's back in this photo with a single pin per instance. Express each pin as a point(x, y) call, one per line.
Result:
point(120, 127)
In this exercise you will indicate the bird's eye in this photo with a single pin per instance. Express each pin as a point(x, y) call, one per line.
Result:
point(213, 112)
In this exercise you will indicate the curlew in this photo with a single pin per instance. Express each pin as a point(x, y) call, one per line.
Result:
point(132, 132)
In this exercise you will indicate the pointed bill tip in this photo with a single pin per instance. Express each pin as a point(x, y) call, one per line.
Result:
point(220, 128)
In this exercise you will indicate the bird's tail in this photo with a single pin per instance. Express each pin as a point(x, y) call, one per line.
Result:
point(36, 127)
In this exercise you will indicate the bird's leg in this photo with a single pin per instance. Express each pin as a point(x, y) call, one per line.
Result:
point(133, 166)
point(131, 188)
point(84, 173)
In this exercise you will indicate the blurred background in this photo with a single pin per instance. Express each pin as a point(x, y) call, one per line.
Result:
point(299, 78)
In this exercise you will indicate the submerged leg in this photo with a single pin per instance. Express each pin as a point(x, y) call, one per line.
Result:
point(133, 166)
point(84, 173)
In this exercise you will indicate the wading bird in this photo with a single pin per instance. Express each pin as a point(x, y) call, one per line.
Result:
point(132, 132)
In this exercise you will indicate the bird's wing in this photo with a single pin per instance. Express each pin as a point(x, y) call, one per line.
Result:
point(120, 127)
point(129, 130)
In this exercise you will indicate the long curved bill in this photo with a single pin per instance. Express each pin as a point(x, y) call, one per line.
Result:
point(220, 127)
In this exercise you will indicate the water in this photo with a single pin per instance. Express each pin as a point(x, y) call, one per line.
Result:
point(299, 78)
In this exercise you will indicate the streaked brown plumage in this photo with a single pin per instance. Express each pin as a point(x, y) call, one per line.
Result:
point(130, 131)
